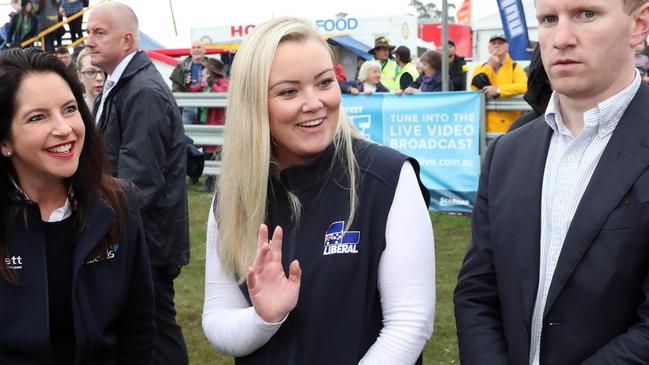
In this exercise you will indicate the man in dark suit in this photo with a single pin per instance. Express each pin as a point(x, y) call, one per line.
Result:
point(557, 271)
point(145, 140)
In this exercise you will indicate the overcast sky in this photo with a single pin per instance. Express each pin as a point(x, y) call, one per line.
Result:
point(155, 15)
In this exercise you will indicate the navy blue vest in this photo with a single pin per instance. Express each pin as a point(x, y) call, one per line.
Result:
point(338, 315)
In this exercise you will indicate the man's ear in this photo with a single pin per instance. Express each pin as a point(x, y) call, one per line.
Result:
point(640, 25)
point(129, 41)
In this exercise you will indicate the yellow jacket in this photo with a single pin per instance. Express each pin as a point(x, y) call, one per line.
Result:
point(511, 80)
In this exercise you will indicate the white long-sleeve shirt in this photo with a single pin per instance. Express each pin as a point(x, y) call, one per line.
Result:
point(406, 283)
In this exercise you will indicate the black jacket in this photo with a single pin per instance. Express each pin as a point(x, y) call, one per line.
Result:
point(457, 73)
point(112, 298)
point(145, 141)
point(346, 87)
point(538, 91)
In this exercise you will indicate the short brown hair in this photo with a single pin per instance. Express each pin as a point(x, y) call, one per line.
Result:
point(433, 58)
point(631, 5)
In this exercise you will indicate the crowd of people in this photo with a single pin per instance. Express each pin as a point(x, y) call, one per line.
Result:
point(320, 247)
point(31, 17)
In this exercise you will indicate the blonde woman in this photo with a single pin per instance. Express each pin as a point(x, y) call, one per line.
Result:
point(92, 78)
point(349, 274)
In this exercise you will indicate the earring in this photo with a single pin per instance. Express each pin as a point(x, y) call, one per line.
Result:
point(9, 153)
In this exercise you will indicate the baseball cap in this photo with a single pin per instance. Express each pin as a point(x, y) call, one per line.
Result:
point(498, 36)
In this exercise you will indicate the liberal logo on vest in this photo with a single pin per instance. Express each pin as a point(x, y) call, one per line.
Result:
point(337, 240)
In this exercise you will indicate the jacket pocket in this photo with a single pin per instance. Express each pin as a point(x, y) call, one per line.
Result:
point(628, 217)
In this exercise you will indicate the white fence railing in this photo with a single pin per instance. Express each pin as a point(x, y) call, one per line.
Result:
point(212, 135)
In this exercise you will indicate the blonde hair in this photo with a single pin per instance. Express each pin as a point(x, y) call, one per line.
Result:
point(366, 67)
point(82, 54)
point(247, 157)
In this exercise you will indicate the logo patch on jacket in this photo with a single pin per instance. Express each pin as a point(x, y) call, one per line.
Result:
point(337, 240)
point(14, 263)
point(108, 255)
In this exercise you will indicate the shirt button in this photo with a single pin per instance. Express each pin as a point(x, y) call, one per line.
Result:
point(571, 158)
point(562, 209)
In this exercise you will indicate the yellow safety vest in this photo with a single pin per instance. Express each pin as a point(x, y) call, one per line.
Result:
point(388, 73)
point(408, 68)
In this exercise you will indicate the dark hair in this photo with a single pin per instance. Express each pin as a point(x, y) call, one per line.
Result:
point(214, 67)
point(89, 181)
point(62, 50)
point(23, 3)
point(403, 54)
point(433, 58)
point(41, 4)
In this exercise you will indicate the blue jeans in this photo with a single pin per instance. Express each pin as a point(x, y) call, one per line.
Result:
point(190, 115)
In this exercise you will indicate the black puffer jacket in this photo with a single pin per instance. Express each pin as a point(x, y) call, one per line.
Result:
point(145, 141)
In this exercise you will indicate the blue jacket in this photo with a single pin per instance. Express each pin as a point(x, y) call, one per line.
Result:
point(112, 298)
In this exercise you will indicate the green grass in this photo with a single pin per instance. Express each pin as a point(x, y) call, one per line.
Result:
point(451, 236)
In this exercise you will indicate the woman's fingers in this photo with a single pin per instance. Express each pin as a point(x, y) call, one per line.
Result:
point(250, 279)
point(262, 236)
point(295, 272)
point(262, 248)
point(276, 245)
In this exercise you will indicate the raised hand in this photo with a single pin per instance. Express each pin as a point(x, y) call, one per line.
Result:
point(272, 294)
point(494, 60)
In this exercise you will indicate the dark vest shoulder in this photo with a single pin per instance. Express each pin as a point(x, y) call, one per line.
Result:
point(384, 164)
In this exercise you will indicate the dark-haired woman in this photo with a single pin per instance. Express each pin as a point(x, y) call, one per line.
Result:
point(75, 281)
point(23, 25)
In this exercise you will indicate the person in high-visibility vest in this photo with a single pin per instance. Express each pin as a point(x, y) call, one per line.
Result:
point(382, 52)
point(407, 72)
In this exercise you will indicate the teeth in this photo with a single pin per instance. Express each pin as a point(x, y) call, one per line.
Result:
point(61, 149)
point(312, 123)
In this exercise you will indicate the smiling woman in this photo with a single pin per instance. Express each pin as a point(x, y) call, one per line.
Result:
point(351, 258)
point(73, 265)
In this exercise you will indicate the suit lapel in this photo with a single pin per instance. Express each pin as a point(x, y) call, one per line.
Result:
point(533, 151)
point(625, 157)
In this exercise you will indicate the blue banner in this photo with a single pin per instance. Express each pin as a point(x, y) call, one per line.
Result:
point(515, 26)
point(440, 130)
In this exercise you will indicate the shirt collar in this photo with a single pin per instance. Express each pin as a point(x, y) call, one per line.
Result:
point(58, 214)
point(603, 118)
point(119, 70)
point(61, 213)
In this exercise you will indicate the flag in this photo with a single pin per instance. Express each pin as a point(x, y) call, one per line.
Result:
point(463, 14)
point(513, 18)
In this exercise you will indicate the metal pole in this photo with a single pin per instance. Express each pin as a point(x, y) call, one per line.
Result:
point(173, 17)
point(444, 45)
